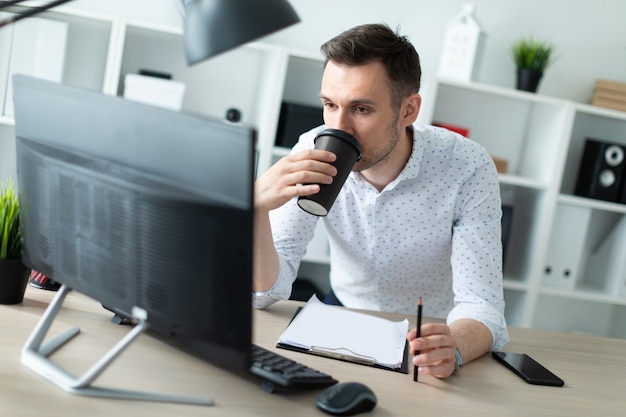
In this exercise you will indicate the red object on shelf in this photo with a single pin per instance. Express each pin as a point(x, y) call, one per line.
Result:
point(464, 131)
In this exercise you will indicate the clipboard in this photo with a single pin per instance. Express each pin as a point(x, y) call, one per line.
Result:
point(346, 355)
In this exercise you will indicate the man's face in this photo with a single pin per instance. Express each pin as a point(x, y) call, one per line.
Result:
point(357, 100)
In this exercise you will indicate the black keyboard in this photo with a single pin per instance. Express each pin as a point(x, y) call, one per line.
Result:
point(279, 371)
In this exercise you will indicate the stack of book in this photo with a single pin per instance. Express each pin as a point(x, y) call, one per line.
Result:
point(610, 94)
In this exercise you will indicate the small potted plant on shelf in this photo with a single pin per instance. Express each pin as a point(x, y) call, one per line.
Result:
point(531, 58)
point(13, 273)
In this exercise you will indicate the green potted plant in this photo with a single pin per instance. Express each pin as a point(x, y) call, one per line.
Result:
point(13, 273)
point(531, 58)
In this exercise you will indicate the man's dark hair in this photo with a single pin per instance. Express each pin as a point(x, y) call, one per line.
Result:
point(378, 42)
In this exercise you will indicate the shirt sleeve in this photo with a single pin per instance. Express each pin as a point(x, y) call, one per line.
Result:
point(477, 255)
point(292, 230)
point(280, 291)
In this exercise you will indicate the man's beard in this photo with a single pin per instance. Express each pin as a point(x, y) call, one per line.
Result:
point(393, 137)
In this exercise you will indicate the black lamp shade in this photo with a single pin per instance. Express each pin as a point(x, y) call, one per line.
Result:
point(215, 26)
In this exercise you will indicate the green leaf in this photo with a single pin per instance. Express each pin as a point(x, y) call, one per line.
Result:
point(10, 235)
point(532, 54)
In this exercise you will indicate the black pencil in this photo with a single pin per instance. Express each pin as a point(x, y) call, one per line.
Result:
point(418, 333)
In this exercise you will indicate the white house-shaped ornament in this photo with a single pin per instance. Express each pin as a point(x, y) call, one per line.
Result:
point(462, 46)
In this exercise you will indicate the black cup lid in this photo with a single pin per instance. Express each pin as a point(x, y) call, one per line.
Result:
point(342, 135)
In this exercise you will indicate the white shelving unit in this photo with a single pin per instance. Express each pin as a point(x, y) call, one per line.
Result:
point(565, 264)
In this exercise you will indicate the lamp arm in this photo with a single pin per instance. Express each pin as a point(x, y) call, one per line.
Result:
point(29, 12)
point(7, 3)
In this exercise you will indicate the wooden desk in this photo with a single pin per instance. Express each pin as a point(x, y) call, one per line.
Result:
point(594, 370)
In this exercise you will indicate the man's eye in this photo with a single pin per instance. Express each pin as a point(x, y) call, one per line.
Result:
point(361, 110)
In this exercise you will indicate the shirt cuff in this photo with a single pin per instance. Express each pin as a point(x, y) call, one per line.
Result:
point(280, 291)
point(263, 300)
point(487, 315)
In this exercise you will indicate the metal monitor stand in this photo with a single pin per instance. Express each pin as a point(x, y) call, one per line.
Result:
point(35, 356)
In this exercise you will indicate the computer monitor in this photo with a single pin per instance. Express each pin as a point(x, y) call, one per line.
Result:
point(146, 210)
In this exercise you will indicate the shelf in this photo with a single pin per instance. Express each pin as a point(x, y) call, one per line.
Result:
point(600, 111)
point(323, 260)
point(591, 203)
point(230, 80)
point(594, 316)
point(515, 285)
point(7, 120)
point(281, 151)
point(591, 295)
point(502, 92)
point(522, 182)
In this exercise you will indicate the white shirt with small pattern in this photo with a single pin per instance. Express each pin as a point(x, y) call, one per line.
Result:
point(433, 232)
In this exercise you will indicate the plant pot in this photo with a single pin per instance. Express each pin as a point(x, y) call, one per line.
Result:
point(528, 80)
point(13, 279)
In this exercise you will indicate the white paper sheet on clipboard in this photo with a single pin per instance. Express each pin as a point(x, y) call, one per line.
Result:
point(349, 335)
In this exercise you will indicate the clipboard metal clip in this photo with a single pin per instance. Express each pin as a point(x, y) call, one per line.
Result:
point(342, 354)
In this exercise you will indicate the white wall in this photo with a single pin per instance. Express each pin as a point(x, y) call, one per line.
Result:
point(590, 35)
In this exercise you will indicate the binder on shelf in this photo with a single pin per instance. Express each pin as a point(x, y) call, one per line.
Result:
point(566, 247)
point(339, 333)
point(37, 49)
point(6, 38)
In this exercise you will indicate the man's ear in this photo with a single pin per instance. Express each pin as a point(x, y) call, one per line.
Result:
point(411, 109)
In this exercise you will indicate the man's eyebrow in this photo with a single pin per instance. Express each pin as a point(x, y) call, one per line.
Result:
point(352, 102)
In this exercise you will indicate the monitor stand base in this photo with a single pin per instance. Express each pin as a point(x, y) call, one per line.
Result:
point(35, 355)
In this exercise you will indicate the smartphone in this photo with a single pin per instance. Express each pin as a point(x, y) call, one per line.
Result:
point(528, 369)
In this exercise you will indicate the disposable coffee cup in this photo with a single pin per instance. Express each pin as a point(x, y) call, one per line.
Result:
point(348, 152)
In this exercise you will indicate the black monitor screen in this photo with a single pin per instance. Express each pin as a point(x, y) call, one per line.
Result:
point(137, 206)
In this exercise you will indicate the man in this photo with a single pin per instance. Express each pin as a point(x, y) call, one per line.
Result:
point(418, 216)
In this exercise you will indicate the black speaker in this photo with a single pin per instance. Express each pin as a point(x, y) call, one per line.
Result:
point(601, 173)
point(622, 198)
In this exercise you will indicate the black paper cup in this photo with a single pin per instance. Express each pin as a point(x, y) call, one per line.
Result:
point(348, 151)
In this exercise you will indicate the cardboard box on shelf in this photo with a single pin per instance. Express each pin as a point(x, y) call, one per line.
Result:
point(609, 94)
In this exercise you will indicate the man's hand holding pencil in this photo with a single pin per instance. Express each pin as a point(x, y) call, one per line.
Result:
point(433, 347)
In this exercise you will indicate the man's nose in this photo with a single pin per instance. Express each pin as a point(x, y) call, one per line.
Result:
point(340, 120)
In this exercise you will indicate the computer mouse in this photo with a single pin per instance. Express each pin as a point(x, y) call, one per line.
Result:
point(346, 399)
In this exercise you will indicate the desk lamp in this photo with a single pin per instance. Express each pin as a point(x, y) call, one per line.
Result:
point(211, 26)
point(215, 26)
